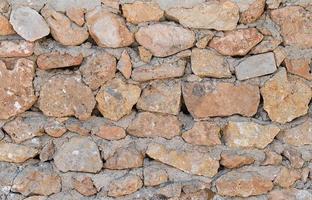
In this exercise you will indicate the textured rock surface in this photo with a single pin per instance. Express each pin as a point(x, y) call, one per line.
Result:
point(16, 153)
point(5, 26)
point(16, 48)
point(58, 60)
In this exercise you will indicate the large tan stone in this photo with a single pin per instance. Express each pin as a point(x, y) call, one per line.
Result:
point(211, 15)
point(5, 26)
point(249, 134)
point(165, 39)
point(287, 177)
point(108, 29)
point(295, 23)
point(290, 194)
point(192, 162)
point(109, 132)
point(16, 153)
point(224, 99)
point(116, 98)
point(66, 95)
point(250, 10)
point(154, 125)
point(84, 186)
point(300, 67)
point(58, 60)
point(16, 48)
point(236, 43)
point(16, 88)
point(125, 158)
point(125, 185)
point(285, 98)
point(232, 160)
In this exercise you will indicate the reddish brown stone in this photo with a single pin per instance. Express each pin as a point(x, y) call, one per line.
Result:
point(124, 64)
point(125, 158)
point(300, 67)
point(16, 48)
point(84, 186)
point(253, 11)
point(287, 177)
point(233, 160)
point(109, 132)
point(76, 14)
point(124, 185)
point(5, 26)
point(58, 60)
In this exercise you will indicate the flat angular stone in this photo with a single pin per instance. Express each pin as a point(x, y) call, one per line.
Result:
point(16, 48)
point(66, 95)
point(5, 26)
point(208, 63)
point(249, 134)
point(84, 186)
point(124, 64)
point(139, 12)
point(62, 6)
point(203, 133)
point(162, 71)
point(109, 132)
point(125, 185)
point(268, 44)
point(192, 162)
point(287, 177)
point(250, 10)
point(285, 98)
point(224, 99)
point(78, 154)
point(16, 88)
point(55, 60)
point(212, 15)
point(254, 66)
point(300, 67)
point(243, 184)
point(166, 4)
point(236, 43)
point(98, 69)
point(290, 194)
point(232, 160)
point(162, 97)
point(116, 99)
point(299, 135)
point(145, 54)
point(76, 14)
point(154, 175)
point(154, 125)
point(16, 153)
point(295, 23)
point(55, 127)
point(272, 158)
point(125, 158)
point(108, 29)
point(165, 39)
point(29, 24)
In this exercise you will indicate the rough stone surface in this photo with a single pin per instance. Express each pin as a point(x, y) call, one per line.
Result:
point(125, 158)
point(164, 39)
point(124, 65)
point(232, 160)
point(109, 132)
point(84, 186)
point(16, 153)
point(5, 26)
point(76, 14)
point(285, 98)
point(125, 185)
point(16, 48)
point(250, 10)
point(235, 99)
point(55, 60)
point(236, 43)
point(300, 67)
point(154, 176)
point(291, 194)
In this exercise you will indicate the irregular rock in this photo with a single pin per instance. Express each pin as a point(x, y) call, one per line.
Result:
point(300, 67)
point(108, 29)
point(125, 158)
point(38, 180)
point(243, 184)
point(116, 99)
point(139, 12)
point(249, 134)
point(78, 154)
point(280, 55)
point(192, 162)
point(55, 60)
point(287, 177)
point(167, 4)
point(154, 176)
point(63, 30)
point(25, 127)
point(236, 43)
point(212, 15)
point(36, 198)
point(208, 63)
point(125, 185)
point(250, 10)
point(203, 133)
point(165, 39)
point(203, 42)
point(124, 64)
point(154, 125)
point(299, 135)
point(54, 128)
point(84, 186)
point(29, 24)
point(294, 157)
point(5, 26)
point(16, 153)
point(62, 6)
point(16, 48)
point(162, 71)
point(145, 55)
point(267, 44)
point(272, 158)
point(16, 88)
point(98, 69)
point(285, 98)
point(273, 4)
point(65, 95)
point(235, 99)
point(47, 152)
point(108, 132)
point(254, 66)
point(295, 25)
point(76, 14)
point(233, 160)
point(162, 97)
point(290, 194)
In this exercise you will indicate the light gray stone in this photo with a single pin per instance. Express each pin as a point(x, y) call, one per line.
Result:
point(61, 5)
point(166, 4)
point(255, 66)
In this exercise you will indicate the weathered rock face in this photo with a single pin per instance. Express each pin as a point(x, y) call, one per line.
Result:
point(236, 43)
point(291, 194)
point(78, 154)
point(140, 12)
point(295, 25)
point(164, 39)
point(58, 60)
point(212, 15)
point(235, 99)
point(232, 160)
point(148, 124)
point(116, 99)
point(285, 98)
point(97, 69)
point(124, 64)
point(17, 48)
point(190, 162)
point(250, 10)
point(108, 29)
point(124, 185)
point(109, 132)
point(249, 134)
point(29, 24)
point(5, 26)
point(16, 153)
point(16, 88)
point(208, 63)
point(287, 177)
point(125, 158)
point(84, 186)
point(59, 97)
point(154, 175)
point(300, 67)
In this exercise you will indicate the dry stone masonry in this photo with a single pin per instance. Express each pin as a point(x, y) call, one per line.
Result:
point(155, 100)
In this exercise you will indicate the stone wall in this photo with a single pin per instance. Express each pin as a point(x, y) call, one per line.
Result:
point(155, 100)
